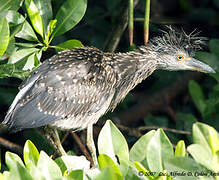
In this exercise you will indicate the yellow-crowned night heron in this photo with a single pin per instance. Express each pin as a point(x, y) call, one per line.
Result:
point(74, 88)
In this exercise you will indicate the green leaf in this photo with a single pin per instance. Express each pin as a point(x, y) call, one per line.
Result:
point(37, 57)
point(2, 177)
point(31, 61)
point(15, 30)
point(45, 10)
point(206, 136)
point(25, 59)
point(49, 169)
point(142, 170)
point(70, 44)
point(13, 17)
point(20, 54)
point(108, 174)
point(138, 152)
point(10, 49)
point(213, 139)
point(4, 35)
point(30, 154)
point(34, 16)
point(6, 175)
point(92, 173)
point(70, 13)
point(75, 175)
point(212, 60)
point(197, 96)
point(209, 58)
point(27, 32)
point(135, 174)
point(10, 70)
point(51, 27)
point(9, 5)
point(112, 143)
point(159, 148)
point(214, 46)
point(180, 149)
point(105, 161)
point(26, 45)
point(16, 167)
point(28, 63)
point(202, 156)
point(69, 163)
point(184, 165)
point(216, 161)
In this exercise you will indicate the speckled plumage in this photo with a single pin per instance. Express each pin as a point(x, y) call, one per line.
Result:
point(74, 88)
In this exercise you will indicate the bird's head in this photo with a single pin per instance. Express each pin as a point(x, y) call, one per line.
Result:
point(175, 50)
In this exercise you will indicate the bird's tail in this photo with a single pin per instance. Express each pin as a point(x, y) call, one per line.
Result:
point(9, 118)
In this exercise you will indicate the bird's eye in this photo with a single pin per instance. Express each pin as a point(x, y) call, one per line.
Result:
point(180, 57)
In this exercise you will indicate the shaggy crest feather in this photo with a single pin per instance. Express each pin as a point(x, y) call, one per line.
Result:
point(173, 41)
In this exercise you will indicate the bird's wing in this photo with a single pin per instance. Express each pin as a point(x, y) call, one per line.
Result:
point(74, 88)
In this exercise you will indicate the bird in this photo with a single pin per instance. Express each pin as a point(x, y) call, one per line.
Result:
point(74, 88)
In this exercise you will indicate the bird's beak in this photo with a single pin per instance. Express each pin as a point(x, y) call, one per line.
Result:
point(196, 65)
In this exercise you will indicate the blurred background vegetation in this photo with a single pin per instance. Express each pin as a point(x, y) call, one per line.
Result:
point(171, 100)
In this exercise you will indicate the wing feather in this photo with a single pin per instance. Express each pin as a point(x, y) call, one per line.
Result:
point(59, 93)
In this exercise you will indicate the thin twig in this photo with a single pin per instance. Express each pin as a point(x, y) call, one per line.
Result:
point(171, 113)
point(65, 137)
point(137, 132)
point(11, 146)
point(131, 131)
point(82, 147)
point(144, 128)
point(44, 132)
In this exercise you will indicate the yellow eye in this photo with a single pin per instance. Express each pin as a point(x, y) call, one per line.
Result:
point(180, 57)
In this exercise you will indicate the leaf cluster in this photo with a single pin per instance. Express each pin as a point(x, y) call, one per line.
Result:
point(151, 157)
point(23, 38)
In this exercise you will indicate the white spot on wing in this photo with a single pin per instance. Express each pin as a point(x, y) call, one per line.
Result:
point(58, 77)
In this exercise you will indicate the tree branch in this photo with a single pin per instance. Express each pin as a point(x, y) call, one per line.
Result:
point(11, 146)
point(82, 147)
point(137, 132)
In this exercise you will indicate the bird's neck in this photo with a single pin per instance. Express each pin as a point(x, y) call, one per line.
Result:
point(136, 65)
point(131, 68)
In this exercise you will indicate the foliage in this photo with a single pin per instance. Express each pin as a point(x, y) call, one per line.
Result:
point(208, 106)
point(151, 157)
point(24, 57)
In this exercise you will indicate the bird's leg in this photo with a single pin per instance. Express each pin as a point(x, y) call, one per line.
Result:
point(58, 143)
point(91, 145)
point(53, 136)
